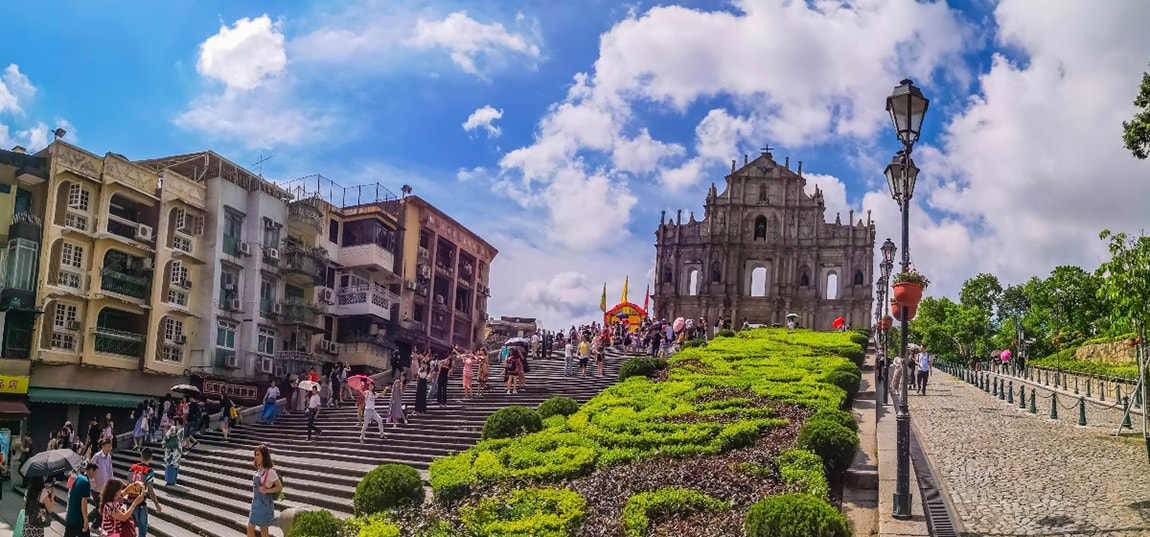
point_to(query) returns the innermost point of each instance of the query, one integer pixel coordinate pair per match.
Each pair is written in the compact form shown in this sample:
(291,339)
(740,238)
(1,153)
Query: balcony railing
(299,356)
(366,353)
(114,281)
(412,324)
(299,311)
(367,255)
(371,299)
(307,261)
(305,212)
(120,342)
(444,270)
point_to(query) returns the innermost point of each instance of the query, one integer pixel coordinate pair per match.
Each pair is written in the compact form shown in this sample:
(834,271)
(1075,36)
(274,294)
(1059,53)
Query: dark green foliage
(861,339)
(388,486)
(725,333)
(853,354)
(557,406)
(317,524)
(694,343)
(833,442)
(795,515)
(641,366)
(512,421)
(846,380)
(841,417)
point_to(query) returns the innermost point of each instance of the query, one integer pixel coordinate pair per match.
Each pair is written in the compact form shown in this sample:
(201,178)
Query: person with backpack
(173,451)
(267,485)
(142,472)
(228,416)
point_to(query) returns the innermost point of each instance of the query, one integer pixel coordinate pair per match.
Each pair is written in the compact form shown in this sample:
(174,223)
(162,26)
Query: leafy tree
(982,292)
(1126,277)
(1136,132)
(951,331)
(1014,302)
(1072,300)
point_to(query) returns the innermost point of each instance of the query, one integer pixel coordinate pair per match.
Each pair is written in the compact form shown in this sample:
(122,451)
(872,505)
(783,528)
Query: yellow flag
(603,300)
(625,281)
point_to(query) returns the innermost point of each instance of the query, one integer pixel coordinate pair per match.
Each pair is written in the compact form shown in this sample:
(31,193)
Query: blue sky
(591,116)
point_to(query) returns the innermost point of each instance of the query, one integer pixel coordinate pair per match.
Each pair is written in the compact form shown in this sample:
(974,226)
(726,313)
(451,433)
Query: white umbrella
(308,385)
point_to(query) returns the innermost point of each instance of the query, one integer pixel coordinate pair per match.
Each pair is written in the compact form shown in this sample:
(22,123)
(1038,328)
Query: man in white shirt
(369,413)
(103,462)
(568,359)
(313,404)
(925,361)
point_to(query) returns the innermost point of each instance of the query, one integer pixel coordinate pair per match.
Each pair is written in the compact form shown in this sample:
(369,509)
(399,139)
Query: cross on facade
(767,148)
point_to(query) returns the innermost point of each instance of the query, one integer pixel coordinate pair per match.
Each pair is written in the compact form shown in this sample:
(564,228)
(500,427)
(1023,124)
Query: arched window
(716,272)
(859,278)
(668,276)
(805,280)
(693,282)
(832,286)
(761,228)
(759,281)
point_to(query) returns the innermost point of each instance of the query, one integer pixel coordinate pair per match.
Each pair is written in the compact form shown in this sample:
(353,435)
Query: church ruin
(762,250)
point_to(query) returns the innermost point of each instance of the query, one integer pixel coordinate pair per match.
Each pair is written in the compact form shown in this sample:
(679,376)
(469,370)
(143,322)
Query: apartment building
(110,333)
(446,269)
(22,177)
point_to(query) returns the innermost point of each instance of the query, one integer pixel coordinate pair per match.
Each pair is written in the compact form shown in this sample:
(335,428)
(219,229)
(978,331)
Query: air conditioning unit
(73,326)
(425,271)
(235,305)
(267,365)
(186,283)
(180,339)
(328,295)
(410,285)
(439,299)
(144,232)
(245,248)
(273,254)
(231,361)
(329,346)
(422,290)
(277,308)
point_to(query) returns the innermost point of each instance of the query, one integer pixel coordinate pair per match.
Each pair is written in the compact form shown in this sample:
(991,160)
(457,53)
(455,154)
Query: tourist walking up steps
(76,517)
(468,375)
(568,359)
(141,472)
(103,461)
(441,381)
(395,413)
(266,485)
(421,386)
(173,451)
(484,368)
(370,413)
(313,404)
(270,398)
(925,361)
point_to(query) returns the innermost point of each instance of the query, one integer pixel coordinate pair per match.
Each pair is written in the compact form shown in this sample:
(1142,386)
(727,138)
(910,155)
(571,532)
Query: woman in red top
(117,503)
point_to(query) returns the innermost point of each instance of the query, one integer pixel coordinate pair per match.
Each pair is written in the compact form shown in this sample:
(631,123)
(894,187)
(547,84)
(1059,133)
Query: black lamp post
(907,108)
(888,251)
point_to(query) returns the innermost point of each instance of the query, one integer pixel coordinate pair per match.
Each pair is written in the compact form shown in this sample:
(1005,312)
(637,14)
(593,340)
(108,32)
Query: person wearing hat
(76,518)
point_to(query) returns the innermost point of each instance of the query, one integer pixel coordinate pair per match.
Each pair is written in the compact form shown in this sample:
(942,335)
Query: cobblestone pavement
(1009,472)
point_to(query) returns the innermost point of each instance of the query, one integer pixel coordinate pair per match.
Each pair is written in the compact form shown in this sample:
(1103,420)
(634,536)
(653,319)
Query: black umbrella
(516,341)
(186,389)
(49,463)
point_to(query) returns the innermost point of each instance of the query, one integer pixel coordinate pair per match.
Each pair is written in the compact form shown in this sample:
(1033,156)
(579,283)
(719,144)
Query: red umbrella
(839,322)
(357,382)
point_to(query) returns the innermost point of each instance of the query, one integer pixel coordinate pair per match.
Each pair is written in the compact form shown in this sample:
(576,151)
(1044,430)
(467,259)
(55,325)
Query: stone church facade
(762,250)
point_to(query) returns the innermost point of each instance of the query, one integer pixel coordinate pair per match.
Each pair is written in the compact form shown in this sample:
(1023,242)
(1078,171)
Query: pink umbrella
(357,382)
(679,324)
(1005,355)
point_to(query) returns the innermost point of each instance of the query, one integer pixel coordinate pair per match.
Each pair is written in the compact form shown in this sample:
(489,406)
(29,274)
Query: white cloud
(834,195)
(468,40)
(14,86)
(484,118)
(642,154)
(245,54)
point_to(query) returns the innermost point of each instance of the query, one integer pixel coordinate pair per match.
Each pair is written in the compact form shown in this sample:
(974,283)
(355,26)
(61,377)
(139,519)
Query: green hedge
(1064,360)
(841,417)
(317,524)
(726,332)
(795,515)
(557,406)
(534,512)
(387,486)
(802,470)
(669,501)
(639,418)
(641,366)
(511,421)
(833,442)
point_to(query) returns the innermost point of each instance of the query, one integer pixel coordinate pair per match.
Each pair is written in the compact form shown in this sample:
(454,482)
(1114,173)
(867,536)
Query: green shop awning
(83,397)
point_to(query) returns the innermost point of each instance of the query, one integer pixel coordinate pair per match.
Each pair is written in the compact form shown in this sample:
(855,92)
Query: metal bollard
(1064,381)
(1075,385)
(1117,391)
(1010,393)
(1002,390)
(986,383)
(1046,378)
(1089,381)
(1053,406)
(1081,411)
(1126,413)
(1022,396)
(1034,401)
(1101,390)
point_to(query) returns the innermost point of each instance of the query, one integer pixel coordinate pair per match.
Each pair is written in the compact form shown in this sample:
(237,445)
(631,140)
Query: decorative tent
(625,312)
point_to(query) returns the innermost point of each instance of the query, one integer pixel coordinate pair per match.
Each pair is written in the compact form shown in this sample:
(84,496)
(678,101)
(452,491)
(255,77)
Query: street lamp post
(888,251)
(907,108)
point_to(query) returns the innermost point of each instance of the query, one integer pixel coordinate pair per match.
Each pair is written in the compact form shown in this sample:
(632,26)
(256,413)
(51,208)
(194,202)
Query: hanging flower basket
(898,310)
(908,287)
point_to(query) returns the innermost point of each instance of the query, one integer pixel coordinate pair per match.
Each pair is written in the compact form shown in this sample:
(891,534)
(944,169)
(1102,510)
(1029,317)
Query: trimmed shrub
(387,486)
(853,354)
(861,339)
(511,421)
(846,380)
(641,366)
(694,343)
(726,332)
(645,506)
(372,526)
(557,406)
(833,442)
(803,470)
(317,524)
(535,512)
(795,515)
(841,417)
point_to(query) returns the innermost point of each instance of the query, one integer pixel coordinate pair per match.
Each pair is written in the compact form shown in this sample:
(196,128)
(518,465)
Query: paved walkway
(1008,472)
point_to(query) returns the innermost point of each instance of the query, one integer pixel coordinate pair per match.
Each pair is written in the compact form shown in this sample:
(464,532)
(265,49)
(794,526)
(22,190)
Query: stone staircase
(215,484)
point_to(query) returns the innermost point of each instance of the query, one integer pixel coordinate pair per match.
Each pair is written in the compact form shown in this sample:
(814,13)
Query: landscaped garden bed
(686,451)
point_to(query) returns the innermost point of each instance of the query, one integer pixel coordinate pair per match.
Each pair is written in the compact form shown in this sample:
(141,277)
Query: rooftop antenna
(259,165)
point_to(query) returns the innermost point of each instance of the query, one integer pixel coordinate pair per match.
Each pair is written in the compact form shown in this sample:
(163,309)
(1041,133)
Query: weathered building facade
(762,250)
